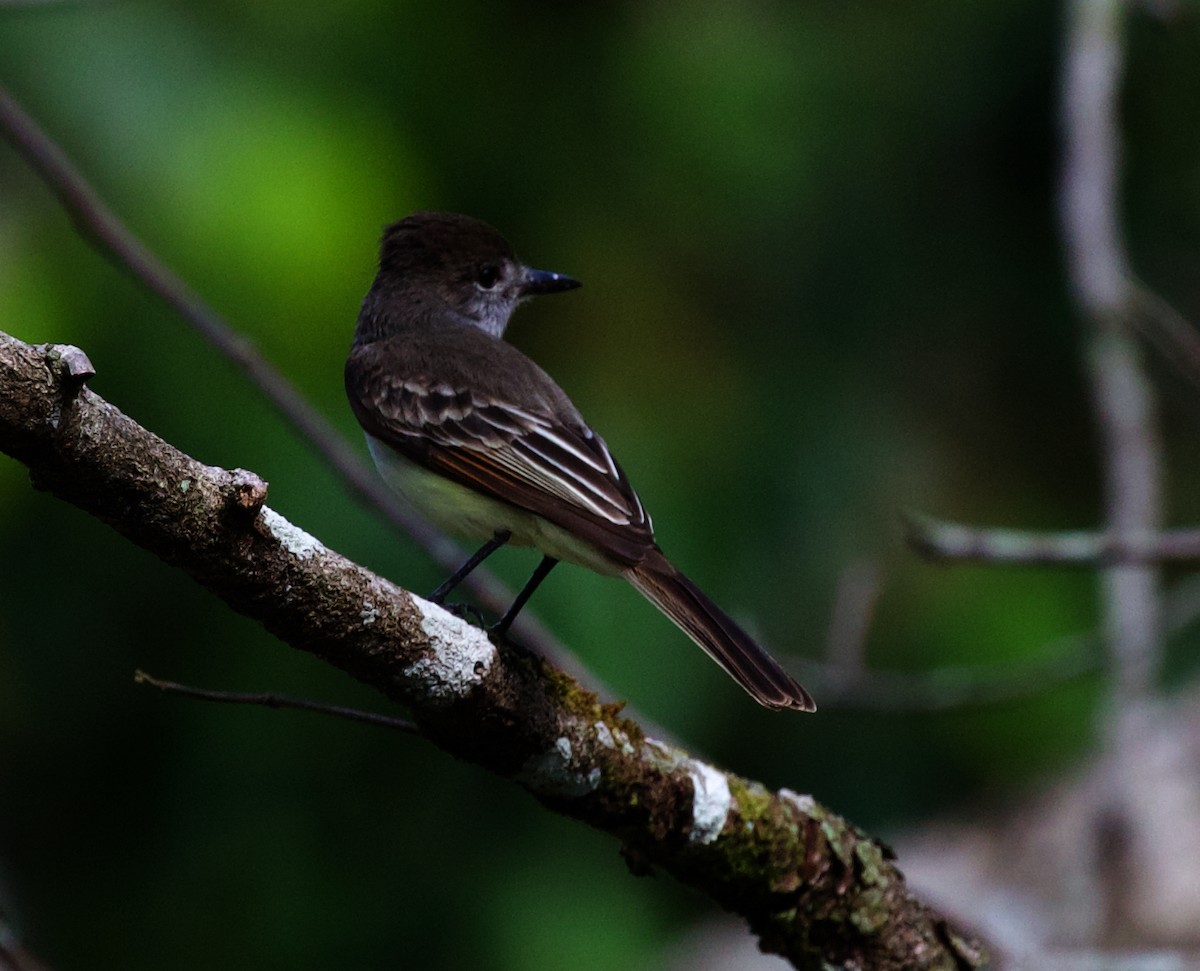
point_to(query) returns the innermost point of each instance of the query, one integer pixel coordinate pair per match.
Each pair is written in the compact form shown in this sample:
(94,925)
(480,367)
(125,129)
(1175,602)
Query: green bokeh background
(823,285)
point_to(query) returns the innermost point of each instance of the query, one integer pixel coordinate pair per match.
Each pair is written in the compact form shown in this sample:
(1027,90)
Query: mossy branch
(814,888)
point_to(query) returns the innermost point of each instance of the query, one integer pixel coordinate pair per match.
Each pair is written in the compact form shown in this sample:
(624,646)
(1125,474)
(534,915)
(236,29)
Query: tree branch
(813,887)
(941,540)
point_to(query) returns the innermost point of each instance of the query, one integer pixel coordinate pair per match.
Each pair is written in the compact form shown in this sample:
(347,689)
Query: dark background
(823,286)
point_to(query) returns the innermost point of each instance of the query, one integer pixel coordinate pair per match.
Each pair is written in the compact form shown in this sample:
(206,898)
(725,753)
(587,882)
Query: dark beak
(543,281)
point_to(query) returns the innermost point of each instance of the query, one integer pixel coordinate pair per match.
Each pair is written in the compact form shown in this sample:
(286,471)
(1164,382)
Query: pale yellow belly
(456,509)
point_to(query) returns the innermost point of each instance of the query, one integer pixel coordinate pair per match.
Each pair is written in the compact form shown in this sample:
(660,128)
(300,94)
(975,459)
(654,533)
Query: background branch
(1066,659)
(1123,398)
(941,540)
(814,888)
(1130,446)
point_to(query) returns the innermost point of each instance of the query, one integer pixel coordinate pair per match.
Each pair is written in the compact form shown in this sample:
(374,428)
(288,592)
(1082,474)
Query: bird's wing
(561,471)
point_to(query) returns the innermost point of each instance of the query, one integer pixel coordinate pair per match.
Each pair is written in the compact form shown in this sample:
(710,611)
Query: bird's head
(464,263)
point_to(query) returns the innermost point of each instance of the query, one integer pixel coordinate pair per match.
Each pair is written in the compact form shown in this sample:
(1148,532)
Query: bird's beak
(543,281)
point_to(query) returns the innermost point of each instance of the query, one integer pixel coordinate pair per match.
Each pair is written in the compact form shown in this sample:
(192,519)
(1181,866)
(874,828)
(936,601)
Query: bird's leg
(486,550)
(540,574)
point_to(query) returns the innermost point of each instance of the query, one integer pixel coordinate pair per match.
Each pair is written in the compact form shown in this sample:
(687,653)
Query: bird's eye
(489,276)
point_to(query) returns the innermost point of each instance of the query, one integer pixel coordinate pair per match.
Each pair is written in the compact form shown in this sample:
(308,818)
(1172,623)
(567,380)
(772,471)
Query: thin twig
(278,701)
(942,540)
(952,688)
(98,223)
(1165,329)
(1064,660)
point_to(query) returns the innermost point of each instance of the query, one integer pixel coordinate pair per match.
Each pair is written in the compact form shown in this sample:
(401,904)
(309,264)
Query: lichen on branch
(814,888)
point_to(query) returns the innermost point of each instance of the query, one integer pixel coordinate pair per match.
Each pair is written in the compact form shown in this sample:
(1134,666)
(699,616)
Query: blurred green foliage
(823,285)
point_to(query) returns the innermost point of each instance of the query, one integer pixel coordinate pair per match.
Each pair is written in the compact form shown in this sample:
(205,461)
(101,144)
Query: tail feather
(657,579)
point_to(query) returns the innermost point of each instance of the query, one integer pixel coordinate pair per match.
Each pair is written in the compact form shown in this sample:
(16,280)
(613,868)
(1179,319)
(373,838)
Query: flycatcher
(482,442)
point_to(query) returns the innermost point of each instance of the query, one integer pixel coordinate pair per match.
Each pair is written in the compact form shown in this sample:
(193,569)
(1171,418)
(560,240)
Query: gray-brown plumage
(484,443)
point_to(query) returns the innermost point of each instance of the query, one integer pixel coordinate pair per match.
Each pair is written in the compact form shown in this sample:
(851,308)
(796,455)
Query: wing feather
(559,470)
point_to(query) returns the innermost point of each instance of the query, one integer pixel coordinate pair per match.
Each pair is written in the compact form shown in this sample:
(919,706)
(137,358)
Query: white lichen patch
(805,803)
(292,538)
(369,613)
(459,657)
(553,774)
(662,756)
(711,801)
(613,738)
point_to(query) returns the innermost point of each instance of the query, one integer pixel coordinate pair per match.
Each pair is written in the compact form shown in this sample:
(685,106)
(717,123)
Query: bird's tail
(657,579)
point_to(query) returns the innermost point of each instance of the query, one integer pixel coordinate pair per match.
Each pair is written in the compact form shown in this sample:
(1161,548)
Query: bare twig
(947,541)
(951,688)
(277,701)
(1066,659)
(1165,329)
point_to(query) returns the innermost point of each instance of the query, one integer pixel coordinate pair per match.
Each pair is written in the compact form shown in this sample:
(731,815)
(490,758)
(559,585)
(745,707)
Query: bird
(483,442)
